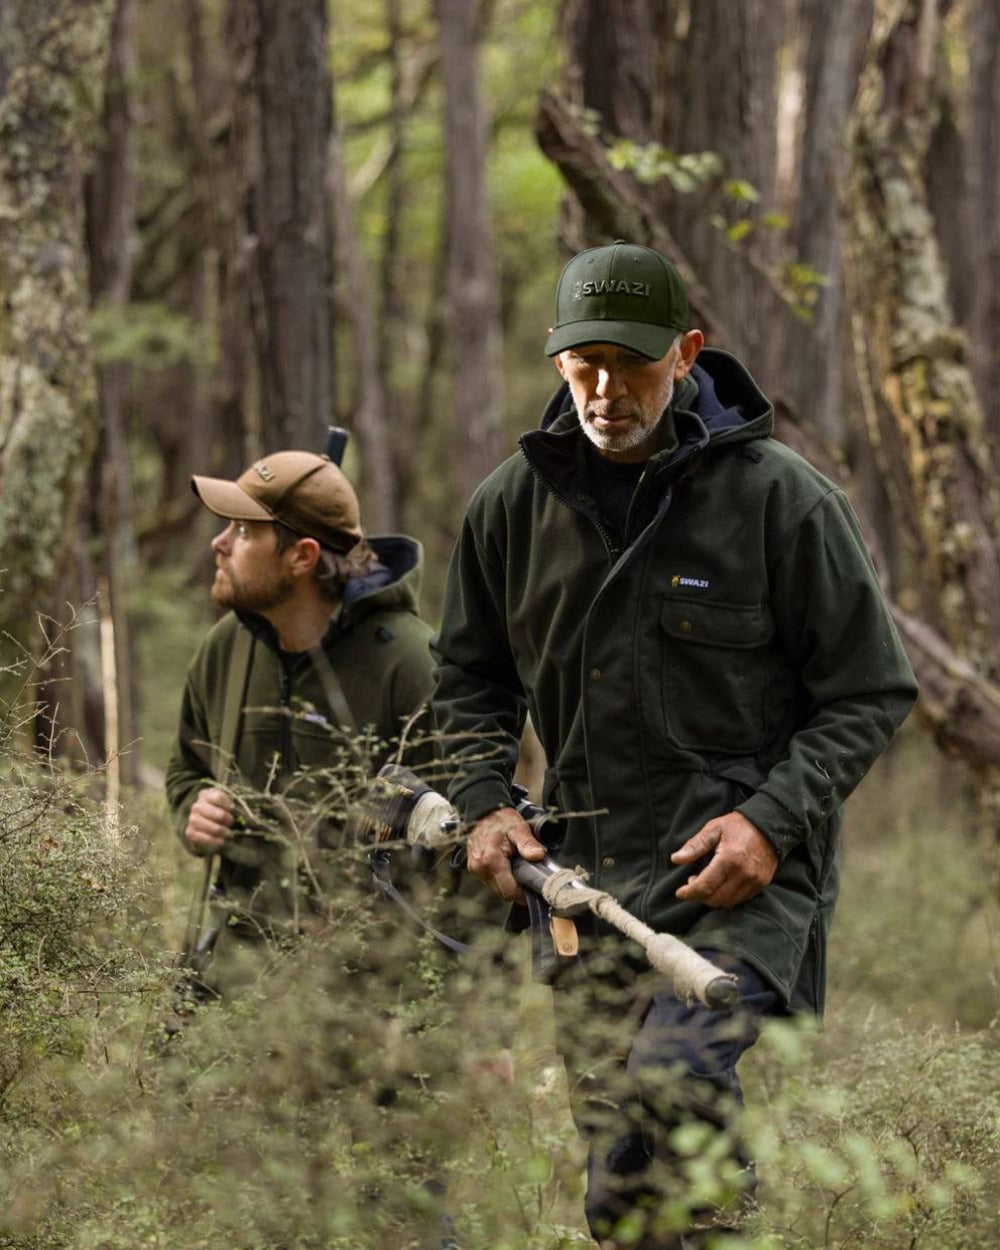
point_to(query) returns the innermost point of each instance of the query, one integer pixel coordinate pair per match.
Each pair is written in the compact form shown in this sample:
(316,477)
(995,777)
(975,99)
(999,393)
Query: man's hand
(742,864)
(491,843)
(209,822)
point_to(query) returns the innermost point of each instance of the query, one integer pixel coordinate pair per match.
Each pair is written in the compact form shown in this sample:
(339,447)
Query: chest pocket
(716,659)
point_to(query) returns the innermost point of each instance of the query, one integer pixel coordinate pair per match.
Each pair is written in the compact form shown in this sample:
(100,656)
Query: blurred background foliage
(228,225)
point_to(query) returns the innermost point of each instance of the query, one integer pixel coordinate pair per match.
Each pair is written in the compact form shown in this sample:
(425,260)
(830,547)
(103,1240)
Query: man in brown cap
(318,665)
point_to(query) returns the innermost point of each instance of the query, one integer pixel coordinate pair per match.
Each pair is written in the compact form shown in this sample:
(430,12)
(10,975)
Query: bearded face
(249,573)
(620,396)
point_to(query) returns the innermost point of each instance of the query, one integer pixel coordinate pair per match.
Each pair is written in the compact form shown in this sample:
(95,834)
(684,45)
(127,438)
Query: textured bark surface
(473,284)
(282,122)
(370,409)
(730,111)
(54,54)
(984,199)
(924,417)
(612,50)
(110,517)
(810,354)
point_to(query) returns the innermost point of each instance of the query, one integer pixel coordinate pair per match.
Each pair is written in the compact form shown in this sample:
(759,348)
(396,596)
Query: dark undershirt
(612,485)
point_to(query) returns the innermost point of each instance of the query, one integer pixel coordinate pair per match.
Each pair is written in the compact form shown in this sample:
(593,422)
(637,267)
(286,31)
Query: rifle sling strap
(237,682)
(381,875)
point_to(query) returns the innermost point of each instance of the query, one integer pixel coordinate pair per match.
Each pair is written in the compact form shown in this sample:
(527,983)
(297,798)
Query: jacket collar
(392,586)
(718,402)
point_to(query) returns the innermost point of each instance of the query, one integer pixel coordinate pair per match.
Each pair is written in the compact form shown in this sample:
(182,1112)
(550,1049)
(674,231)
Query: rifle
(401,806)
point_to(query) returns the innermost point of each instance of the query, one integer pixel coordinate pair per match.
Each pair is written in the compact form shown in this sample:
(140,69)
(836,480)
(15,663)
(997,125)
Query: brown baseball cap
(306,492)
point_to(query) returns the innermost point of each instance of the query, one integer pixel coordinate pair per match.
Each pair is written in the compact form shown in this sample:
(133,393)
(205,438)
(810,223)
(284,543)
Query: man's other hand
(209,822)
(742,864)
(491,843)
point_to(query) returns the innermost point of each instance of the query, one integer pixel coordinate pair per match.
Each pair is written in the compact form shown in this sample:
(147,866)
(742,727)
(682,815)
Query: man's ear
(557,361)
(303,556)
(690,345)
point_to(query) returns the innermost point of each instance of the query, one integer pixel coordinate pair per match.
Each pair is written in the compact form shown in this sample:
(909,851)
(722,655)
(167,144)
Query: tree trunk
(370,413)
(984,177)
(392,320)
(110,201)
(725,101)
(810,356)
(282,127)
(52,73)
(924,417)
(611,48)
(473,286)
(616,57)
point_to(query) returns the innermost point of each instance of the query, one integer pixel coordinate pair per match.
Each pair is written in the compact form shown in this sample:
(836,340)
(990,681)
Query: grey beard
(627,440)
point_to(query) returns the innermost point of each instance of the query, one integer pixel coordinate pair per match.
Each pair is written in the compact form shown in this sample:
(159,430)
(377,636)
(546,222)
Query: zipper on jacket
(593,516)
(669,471)
(643,478)
(286,718)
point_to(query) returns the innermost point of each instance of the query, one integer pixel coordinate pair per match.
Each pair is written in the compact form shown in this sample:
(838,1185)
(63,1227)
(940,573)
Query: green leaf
(742,191)
(740,229)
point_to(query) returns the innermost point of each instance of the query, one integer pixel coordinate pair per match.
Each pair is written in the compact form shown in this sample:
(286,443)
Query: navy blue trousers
(642,1064)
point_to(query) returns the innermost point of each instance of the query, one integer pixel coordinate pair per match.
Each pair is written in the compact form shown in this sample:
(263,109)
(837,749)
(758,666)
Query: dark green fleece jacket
(377,648)
(733,651)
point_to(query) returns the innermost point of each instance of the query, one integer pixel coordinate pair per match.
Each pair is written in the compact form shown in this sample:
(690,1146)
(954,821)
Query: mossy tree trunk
(984,180)
(924,416)
(53,55)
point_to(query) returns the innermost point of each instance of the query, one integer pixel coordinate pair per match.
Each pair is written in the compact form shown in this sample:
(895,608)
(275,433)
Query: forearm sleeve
(478,704)
(833,616)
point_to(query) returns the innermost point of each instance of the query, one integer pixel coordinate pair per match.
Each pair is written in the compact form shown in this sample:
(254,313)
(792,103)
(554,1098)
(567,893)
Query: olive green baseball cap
(306,492)
(622,293)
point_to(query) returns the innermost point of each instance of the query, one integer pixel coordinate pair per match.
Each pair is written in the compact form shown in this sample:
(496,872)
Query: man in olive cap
(318,664)
(687,611)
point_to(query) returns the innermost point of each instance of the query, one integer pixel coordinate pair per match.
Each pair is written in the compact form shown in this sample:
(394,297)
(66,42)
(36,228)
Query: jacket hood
(392,586)
(724,400)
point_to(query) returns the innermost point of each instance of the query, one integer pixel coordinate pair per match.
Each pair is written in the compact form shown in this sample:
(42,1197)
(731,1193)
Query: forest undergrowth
(354,1095)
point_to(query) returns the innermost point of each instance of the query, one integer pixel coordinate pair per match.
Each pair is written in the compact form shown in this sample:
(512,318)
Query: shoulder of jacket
(217,646)
(388,638)
(775,464)
(506,480)
(404,629)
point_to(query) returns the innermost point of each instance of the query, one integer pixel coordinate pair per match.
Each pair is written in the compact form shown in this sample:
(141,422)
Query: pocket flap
(730,625)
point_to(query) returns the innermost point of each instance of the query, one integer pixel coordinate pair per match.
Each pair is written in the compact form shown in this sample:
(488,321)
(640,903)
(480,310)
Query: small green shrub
(71,900)
(895,1144)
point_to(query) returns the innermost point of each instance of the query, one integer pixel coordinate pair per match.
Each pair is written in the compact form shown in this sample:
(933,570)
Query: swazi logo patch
(610,286)
(696,583)
(266,473)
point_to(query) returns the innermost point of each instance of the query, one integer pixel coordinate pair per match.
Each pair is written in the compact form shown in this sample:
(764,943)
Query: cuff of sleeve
(477,800)
(775,822)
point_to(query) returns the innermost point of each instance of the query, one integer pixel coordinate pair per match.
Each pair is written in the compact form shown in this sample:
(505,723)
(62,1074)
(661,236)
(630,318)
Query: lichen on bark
(51,79)
(931,432)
